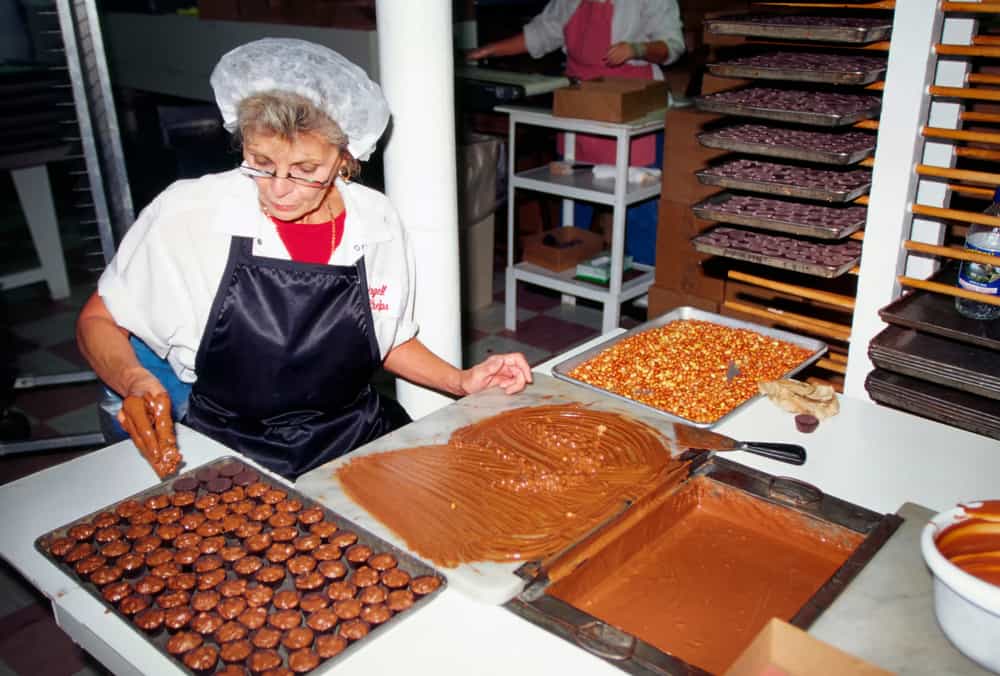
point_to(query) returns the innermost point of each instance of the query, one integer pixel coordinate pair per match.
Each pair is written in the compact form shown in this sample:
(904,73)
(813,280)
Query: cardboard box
(610,99)
(561,248)
(783,650)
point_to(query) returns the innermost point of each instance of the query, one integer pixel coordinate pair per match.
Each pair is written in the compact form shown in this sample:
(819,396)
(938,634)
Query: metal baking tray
(562,370)
(839,77)
(740,25)
(785,115)
(708,210)
(935,313)
(805,268)
(782,189)
(935,402)
(965,367)
(788,152)
(635,656)
(159,639)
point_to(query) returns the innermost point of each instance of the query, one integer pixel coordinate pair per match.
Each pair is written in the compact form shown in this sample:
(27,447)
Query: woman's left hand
(510,372)
(619,53)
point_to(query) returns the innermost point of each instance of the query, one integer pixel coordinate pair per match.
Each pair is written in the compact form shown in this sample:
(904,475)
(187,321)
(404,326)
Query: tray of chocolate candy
(797,218)
(811,258)
(823,108)
(225,569)
(850,29)
(789,180)
(790,143)
(845,69)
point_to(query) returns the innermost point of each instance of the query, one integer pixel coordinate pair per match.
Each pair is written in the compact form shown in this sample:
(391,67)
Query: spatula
(689,440)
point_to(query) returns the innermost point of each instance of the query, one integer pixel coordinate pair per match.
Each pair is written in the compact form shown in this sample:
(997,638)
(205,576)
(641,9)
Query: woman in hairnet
(276,289)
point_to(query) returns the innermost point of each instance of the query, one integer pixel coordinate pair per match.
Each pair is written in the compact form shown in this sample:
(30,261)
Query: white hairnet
(335,85)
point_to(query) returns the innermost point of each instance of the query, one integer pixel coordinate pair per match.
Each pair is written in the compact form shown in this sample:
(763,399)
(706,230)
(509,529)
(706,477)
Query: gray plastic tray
(740,25)
(788,152)
(814,269)
(708,211)
(840,77)
(782,189)
(158,640)
(786,115)
(561,370)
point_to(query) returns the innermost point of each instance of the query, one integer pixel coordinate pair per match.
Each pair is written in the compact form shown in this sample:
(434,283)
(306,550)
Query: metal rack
(101,199)
(619,194)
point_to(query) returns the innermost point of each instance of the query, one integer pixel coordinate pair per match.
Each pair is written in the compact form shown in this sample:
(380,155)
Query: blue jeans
(177,390)
(640,220)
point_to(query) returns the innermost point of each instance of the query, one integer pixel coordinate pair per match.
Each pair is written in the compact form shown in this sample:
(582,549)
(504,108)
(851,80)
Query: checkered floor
(43,335)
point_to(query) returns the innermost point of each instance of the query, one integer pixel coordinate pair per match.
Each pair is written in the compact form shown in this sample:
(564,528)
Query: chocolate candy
(806,423)
(186,484)
(219,485)
(232,468)
(245,478)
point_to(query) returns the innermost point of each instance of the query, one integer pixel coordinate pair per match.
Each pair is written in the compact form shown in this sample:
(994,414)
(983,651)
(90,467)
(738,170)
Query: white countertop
(876,457)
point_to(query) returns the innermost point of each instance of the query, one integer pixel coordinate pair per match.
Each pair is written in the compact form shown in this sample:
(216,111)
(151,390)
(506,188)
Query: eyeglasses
(254,172)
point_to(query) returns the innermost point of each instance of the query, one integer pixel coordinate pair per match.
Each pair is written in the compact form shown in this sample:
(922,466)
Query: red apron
(587,36)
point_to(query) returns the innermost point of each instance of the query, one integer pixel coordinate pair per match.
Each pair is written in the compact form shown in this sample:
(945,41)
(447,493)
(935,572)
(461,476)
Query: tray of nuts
(691,366)
(789,180)
(790,143)
(224,569)
(797,218)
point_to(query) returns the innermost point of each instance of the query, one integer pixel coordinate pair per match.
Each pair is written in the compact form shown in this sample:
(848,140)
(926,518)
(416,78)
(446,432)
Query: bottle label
(980,276)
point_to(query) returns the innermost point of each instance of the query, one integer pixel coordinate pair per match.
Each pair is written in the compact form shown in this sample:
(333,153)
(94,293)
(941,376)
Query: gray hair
(288,115)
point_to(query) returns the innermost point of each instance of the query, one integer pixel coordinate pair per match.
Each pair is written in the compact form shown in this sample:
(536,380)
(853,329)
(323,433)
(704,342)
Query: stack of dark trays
(936,363)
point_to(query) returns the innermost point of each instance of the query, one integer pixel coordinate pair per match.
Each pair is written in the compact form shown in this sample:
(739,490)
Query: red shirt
(311,242)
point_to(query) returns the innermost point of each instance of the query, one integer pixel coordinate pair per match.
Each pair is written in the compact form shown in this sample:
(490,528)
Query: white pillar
(417,76)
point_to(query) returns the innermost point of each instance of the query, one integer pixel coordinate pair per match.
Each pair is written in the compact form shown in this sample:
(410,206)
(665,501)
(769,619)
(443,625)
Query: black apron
(285,363)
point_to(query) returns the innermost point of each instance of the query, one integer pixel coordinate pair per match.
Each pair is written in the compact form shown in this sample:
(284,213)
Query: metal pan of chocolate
(789,180)
(649,595)
(794,66)
(836,147)
(854,30)
(797,218)
(224,565)
(789,253)
(822,108)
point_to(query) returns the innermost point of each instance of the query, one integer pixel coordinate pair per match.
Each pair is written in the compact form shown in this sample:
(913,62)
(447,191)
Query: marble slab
(886,615)
(493,583)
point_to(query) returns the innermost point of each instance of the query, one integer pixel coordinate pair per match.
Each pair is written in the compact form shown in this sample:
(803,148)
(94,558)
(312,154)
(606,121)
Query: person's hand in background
(620,52)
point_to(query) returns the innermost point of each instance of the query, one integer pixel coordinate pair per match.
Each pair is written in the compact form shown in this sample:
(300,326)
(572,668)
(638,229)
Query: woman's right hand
(145,415)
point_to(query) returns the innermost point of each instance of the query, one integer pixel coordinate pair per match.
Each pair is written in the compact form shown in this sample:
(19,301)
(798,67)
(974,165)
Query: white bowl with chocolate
(962,548)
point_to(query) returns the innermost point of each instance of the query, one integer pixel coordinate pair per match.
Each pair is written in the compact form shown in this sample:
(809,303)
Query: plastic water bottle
(980,276)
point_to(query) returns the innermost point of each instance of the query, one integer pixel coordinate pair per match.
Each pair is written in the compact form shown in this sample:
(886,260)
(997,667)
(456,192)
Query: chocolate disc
(188,483)
(245,478)
(219,485)
(206,474)
(231,468)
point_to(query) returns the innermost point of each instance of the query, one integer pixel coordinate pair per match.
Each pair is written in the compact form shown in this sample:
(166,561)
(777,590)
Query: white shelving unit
(580,185)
